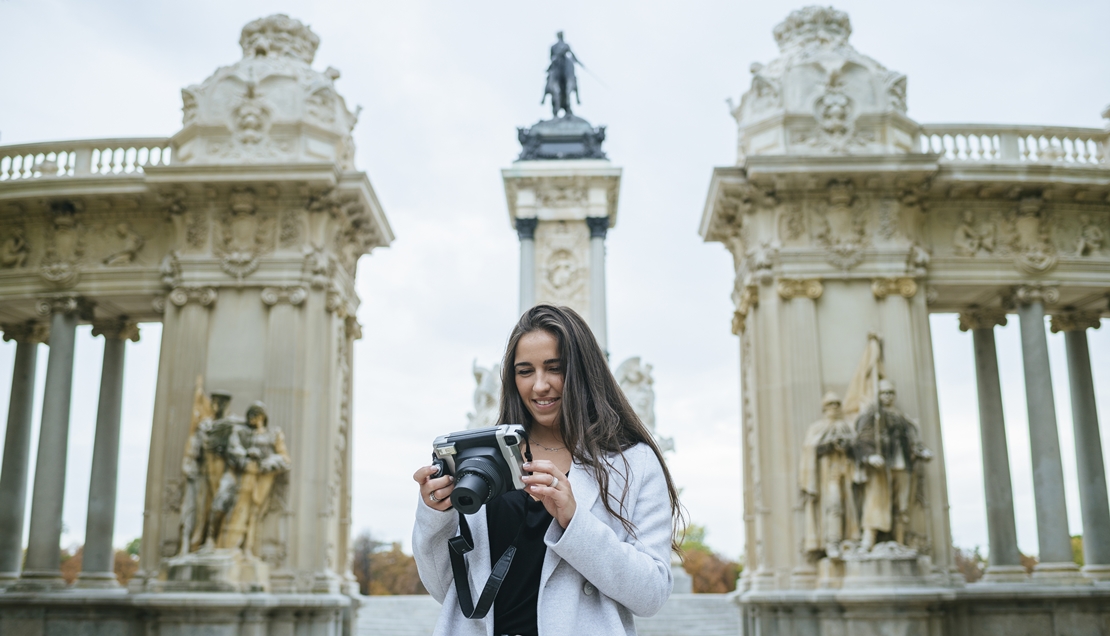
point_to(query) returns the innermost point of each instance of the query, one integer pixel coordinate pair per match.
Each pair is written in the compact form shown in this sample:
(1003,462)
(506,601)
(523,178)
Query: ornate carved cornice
(746,298)
(1075,321)
(29,331)
(1036,292)
(121,328)
(883,287)
(294,295)
(982,318)
(790,288)
(181,296)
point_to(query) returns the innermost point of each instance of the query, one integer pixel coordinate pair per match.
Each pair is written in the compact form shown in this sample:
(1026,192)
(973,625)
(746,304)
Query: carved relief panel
(563,264)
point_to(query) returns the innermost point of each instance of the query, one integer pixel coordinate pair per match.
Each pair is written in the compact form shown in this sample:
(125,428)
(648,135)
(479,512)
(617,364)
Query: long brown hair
(596,419)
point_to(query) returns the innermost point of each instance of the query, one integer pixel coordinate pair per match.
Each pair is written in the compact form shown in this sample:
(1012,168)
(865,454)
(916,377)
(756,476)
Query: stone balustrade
(102,157)
(1023,144)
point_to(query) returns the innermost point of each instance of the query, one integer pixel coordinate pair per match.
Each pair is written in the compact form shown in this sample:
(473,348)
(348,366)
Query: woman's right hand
(440,488)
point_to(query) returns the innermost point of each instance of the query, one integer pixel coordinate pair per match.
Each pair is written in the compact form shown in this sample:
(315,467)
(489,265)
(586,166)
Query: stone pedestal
(561,208)
(214,570)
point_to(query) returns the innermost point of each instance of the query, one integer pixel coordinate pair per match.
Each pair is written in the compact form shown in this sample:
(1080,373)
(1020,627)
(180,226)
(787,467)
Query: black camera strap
(463,544)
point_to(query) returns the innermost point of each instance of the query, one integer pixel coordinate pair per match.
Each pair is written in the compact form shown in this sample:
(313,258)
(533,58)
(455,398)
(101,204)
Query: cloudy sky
(443,86)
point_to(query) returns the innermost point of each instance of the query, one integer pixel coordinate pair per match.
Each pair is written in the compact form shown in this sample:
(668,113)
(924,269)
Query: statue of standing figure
(890,451)
(561,80)
(825,476)
(258,454)
(230,467)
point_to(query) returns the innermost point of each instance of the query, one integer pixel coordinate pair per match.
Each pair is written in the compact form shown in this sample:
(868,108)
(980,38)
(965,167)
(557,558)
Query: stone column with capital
(17,446)
(526,232)
(1088,443)
(97,560)
(1053,539)
(1004,563)
(42,569)
(598,225)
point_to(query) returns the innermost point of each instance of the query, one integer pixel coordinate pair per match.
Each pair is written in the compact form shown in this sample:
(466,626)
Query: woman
(586,562)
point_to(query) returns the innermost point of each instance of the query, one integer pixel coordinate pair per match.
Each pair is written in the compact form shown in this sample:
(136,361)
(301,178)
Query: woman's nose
(541,384)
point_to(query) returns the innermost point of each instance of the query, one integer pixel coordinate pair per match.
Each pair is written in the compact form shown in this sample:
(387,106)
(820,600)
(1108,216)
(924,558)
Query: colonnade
(42,568)
(1054,542)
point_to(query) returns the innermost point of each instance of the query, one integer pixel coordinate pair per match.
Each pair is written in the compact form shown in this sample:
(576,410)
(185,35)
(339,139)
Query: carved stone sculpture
(14,249)
(256,452)
(132,243)
(487,396)
(892,456)
(197,465)
(634,378)
(825,476)
(968,239)
(1091,237)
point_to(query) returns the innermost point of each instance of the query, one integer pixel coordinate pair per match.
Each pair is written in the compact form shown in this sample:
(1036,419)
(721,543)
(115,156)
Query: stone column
(1088,444)
(599,225)
(97,560)
(1053,539)
(43,564)
(17,446)
(1004,564)
(526,232)
(802,376)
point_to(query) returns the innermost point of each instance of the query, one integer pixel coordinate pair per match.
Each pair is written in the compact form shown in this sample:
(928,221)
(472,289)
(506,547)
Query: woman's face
(539,378)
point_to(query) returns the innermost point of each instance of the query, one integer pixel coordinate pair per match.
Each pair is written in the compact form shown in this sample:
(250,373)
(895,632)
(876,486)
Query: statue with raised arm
(825,477)
(889,449)
(561,80)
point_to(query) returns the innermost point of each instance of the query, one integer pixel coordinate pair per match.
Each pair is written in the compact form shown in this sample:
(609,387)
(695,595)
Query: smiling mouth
(548,402)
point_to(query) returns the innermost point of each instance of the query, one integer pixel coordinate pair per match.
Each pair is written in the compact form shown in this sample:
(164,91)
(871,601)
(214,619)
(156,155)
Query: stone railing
(101,157)
(1021,144)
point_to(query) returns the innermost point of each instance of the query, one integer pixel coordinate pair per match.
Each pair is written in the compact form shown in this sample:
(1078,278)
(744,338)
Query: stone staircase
(683,615)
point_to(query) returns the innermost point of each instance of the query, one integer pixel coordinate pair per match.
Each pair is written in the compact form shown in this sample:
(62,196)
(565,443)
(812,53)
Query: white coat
(595,575)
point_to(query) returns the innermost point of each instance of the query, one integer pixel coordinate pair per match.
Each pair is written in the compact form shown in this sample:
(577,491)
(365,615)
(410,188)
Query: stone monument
(845,220)
(241,234)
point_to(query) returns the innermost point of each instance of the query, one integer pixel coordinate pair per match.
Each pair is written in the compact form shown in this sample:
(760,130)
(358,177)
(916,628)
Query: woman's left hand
(549,485)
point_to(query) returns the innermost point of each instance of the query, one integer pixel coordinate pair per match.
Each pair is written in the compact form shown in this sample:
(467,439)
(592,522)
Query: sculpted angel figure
(825,476)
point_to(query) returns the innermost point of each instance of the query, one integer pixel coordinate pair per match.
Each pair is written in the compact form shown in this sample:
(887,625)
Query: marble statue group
(231,465)
(861,479)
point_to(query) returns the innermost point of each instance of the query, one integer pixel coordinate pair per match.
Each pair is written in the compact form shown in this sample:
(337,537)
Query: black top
(514,609)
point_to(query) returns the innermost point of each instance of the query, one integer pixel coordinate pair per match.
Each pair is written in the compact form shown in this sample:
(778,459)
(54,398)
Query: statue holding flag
(889,451)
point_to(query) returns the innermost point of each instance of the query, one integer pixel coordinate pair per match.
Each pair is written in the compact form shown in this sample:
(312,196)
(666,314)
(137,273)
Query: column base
(1005,574)
(804,578)
(8,579)
(38,581)
(326,582)
(1062,573)
(97,581)
(1097,573)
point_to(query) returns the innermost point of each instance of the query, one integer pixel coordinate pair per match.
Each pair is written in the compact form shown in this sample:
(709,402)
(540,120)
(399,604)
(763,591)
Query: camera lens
(476,482)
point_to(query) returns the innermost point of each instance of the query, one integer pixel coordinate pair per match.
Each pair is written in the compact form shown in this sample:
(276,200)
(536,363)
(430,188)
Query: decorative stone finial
(822,95)
(279,35)
(269,107)
(813,25)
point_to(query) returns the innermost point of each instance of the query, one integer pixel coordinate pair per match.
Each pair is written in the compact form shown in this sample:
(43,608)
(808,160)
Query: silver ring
(554,482)
(432,496)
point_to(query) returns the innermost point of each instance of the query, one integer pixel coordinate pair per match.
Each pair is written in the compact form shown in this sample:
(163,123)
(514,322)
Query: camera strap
(460,546)
(463,544)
